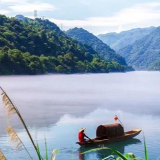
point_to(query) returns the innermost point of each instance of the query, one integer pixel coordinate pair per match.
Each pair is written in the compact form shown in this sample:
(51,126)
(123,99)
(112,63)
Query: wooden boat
(97,141)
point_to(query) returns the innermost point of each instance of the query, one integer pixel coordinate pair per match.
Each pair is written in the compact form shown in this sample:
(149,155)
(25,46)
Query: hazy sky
(97,16)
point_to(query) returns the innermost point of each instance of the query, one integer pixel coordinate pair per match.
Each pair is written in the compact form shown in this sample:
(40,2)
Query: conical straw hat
(82,129)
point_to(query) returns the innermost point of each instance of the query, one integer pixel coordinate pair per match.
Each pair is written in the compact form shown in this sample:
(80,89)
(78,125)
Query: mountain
(122,39)
(144,52)
(103,50)
(38,46)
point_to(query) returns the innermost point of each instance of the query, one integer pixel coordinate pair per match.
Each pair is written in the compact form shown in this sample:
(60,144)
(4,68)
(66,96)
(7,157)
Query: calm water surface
(57,106)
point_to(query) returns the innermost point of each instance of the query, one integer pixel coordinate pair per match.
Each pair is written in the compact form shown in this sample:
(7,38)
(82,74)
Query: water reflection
(100,154)
(57,106)
(47,98)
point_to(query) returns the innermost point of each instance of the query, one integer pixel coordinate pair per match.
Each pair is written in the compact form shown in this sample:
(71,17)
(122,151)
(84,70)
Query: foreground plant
(127,156)
(18,144)
(11,109)
(145,149)
(46,150)
(54,153)
(2,157)
(107,148)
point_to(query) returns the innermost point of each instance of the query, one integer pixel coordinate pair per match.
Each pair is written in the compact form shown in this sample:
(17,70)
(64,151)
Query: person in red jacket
(82,135)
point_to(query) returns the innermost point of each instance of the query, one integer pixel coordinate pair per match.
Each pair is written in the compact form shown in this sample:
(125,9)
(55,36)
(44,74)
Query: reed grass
(2,157)
(16,141)
(11,109)
(8,107)
(14,138)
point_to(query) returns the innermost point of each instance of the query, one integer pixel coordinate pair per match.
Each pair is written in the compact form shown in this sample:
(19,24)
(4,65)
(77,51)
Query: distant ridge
(122,39)
(144,53)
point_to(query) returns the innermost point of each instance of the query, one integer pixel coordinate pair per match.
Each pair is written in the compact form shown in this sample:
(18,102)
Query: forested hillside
(155,66)
(39,46)
(103,50)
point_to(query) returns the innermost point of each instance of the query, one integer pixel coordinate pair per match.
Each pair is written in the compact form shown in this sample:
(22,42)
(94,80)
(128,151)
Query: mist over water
(57,106)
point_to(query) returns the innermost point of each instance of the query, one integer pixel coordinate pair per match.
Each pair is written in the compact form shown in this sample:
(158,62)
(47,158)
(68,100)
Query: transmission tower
(35,14)
(43,18)
(61,26)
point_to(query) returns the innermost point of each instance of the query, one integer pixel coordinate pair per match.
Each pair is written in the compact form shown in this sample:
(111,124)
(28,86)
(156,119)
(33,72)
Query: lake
(57,106)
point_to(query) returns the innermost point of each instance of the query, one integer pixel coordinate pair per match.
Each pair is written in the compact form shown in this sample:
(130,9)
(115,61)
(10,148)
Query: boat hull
(127,135)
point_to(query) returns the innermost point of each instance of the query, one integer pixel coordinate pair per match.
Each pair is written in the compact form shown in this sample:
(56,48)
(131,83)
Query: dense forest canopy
(39,46)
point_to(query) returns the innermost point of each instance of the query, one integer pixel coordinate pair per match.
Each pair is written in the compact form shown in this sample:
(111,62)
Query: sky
(96,16)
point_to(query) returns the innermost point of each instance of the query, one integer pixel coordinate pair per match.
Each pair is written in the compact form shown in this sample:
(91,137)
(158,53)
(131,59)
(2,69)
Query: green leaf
(145,149)
(38,149)
(46,150)
(130,156)
(96,149)
(72,157)
(111,156)
(118,154)
(53,156)
(106,148)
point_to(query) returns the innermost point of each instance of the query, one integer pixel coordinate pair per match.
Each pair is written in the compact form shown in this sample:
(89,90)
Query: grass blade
(111,156)
(72,157)
(145,149)
(96,149)
(53,156)
(130,156)
(118,153)
(38,150)
(46,150)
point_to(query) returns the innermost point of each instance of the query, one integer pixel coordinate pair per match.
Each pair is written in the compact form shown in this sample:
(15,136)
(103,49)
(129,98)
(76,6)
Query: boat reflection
(100,154)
